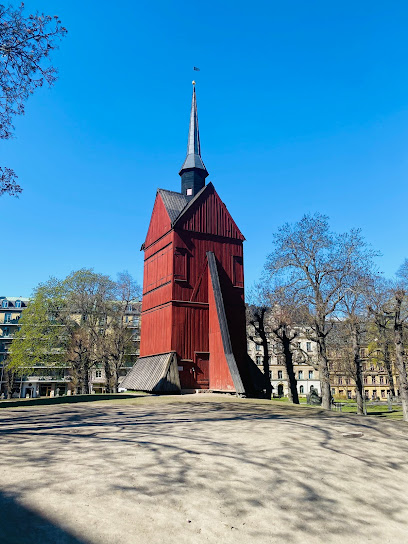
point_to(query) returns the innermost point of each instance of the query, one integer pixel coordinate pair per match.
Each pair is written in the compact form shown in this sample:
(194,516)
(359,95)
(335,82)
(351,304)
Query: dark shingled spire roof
(193,159)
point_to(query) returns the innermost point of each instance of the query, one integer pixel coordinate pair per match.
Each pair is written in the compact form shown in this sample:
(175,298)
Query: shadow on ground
(227,471)
(21,525)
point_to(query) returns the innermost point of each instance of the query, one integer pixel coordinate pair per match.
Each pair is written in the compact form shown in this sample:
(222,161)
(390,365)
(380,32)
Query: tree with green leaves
(43,336)
(78,322)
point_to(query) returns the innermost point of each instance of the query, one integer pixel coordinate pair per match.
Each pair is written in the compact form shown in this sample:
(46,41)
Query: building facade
(376,378)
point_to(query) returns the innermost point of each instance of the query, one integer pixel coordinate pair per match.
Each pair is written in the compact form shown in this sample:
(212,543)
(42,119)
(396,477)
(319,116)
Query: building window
(365,380)
(333,391)
(189,192)
(258,360)
(7,317)
(280,374)
(98,373)
(300,374)
(347,381)
(381,379)
(372,379)
(382,393)
(18,303)
(298,345)
(4,304)
(374,393)
(238,271)
(310,374)
(258,347)
(349,394)
(340,380)
(180,264)
(270,375)
(308,346)
(363,367)
(6,331)
(301,389)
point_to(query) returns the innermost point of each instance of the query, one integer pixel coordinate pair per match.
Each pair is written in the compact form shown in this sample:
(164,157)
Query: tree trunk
(85,379)
(388,366)
(287,353)
(355,338)
(268,385)
(399,359)
(323,369)
(10,379)
(116,381)
(108,374)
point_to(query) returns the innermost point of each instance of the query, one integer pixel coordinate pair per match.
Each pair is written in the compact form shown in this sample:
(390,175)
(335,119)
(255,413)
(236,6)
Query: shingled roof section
(155,373)
(173,202)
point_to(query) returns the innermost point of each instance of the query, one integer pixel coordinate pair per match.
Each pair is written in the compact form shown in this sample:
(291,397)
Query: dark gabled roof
(173,202)
(190,203)
(156,373)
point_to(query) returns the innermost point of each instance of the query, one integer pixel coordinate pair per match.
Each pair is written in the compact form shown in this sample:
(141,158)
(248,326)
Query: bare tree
(354,310)
(316,264)
(26,42)
(381,330)
(399,307)
(257,321)
(89,298)
(125,316)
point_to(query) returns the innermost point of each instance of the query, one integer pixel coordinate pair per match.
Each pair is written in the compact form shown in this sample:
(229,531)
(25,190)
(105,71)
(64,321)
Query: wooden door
(195,375)
(186,372)
(202,371)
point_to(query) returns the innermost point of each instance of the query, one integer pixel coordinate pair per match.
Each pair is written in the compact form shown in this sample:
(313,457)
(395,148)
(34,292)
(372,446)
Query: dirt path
(200,469)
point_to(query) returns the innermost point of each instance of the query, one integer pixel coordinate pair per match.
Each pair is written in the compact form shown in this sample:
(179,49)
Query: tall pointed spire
(193,172)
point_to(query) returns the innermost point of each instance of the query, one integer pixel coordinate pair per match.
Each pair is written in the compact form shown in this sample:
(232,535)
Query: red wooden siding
(189,329)
(220,376)
(197,245)
(159,222)
(156,331)
(209,215)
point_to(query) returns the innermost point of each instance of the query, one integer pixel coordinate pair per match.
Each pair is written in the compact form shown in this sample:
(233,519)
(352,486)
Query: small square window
(189,192)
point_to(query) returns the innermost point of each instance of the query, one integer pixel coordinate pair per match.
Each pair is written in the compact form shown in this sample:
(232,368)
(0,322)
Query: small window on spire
(189,192)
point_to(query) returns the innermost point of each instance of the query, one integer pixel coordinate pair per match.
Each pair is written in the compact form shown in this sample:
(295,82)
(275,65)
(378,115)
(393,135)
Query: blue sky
(303,107)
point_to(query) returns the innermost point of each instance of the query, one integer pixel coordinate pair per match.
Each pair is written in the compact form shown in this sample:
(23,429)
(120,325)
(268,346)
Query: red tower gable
(160,222)
(207,214)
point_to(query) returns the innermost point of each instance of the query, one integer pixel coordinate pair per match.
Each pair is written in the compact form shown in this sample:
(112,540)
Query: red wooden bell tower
(193,312)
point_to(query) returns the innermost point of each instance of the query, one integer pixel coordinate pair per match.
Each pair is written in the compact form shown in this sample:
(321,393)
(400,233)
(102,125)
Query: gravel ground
(200,468)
